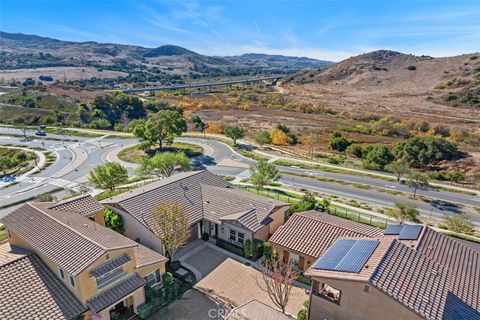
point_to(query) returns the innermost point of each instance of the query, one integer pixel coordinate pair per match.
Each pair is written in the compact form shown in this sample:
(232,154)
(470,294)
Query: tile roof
(184,188)
(254,310)
(71,240)
(111,295)
(30,290)
(84,204)
(311,233)
(110,265)
(145,256)
(202,194)
(232,204)
(437,277)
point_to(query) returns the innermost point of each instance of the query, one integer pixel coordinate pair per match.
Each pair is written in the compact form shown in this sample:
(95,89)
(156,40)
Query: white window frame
(158,279)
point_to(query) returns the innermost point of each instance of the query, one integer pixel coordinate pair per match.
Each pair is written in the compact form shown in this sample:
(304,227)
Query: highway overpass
(207,85)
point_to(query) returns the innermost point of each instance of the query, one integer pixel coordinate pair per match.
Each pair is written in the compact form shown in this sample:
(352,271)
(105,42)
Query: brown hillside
(446,89)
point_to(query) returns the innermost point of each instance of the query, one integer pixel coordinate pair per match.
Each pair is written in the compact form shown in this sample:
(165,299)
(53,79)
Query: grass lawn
(134,155)
(3,233)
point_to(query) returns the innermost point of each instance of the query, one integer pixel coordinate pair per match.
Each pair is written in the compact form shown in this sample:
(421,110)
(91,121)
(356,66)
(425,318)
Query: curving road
(76,158)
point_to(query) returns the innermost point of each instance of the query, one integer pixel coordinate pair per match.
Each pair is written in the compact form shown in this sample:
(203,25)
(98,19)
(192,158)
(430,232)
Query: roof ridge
(336,224)
(56,204)
(69,227)
(190,174)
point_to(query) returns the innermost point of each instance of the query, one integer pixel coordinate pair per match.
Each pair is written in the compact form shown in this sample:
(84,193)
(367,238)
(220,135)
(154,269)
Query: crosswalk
(62,183)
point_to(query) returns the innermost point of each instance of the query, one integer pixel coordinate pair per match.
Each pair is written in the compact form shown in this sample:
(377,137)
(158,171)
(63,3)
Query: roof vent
(85,225)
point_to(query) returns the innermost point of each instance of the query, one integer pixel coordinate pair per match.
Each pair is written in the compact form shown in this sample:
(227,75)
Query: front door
(216,229)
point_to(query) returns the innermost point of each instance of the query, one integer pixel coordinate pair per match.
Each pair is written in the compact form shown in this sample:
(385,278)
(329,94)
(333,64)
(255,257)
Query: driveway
(226,282)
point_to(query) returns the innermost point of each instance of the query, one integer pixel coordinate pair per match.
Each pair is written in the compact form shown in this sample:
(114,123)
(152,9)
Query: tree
(113,220)
(399,168)
(198,123)
(416,179)
(108,175)
(405,212)
(279,138)
(303,313)
(355,149)
(262,138)
(164,164)
(337,142)
(278,278)
(377,156)
(422,151)
(310,141)
(171,221)
(234,133)
(162,127)
(263,173)
(20,123)
(114,106)
(460,223)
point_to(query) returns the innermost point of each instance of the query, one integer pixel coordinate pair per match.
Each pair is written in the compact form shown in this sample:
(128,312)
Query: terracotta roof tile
(311,233)
(84,204)
(71,240)
(30,290)
(145,256)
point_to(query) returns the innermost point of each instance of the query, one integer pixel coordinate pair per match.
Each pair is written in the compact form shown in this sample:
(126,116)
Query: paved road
(231,163)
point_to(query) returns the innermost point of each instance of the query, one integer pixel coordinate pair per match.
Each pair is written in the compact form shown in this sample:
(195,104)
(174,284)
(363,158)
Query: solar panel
(347,255)
(410,232)
(335,254)
(393,229)
(358,255)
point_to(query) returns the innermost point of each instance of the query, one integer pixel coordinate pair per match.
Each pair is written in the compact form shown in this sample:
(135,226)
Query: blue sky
(331,30)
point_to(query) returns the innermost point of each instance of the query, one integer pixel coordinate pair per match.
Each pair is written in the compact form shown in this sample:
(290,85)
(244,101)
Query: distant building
(213,207)
(413,272)
(59,264)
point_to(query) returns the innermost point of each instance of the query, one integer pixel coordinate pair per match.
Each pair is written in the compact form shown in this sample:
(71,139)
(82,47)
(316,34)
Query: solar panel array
(393,229)
(410,232)
(347,255)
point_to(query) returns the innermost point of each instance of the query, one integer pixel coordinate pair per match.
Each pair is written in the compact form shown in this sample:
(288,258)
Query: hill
(165,64)
(392,82)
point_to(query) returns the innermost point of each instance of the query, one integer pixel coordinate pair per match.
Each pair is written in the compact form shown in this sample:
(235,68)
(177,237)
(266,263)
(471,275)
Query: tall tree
(399,168)
(262,173)
(164,126)
(171,221)
(278,278)
(164,164)
(108,175)
(338,142)
(405,212)
(234,133)
(310,141)
(416,179)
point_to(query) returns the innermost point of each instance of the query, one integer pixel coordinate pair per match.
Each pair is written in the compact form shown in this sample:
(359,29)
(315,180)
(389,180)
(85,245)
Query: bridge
(207,85)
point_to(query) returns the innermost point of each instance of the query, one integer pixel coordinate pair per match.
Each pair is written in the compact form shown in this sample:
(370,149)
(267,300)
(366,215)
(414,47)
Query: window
(72,281)
(153,278)
(110,277)
(294,258)
(233,235)
(327,292)
(62,274)
(240,238)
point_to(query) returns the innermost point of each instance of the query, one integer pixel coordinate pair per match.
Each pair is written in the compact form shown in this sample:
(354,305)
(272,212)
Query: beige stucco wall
(136,230)
(225,233)
(356,304)
(99,218)
(148,269)
(278,219)
(263,233)
(304,264)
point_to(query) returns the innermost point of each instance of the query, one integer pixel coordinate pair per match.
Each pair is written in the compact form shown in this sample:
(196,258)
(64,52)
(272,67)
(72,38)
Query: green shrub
(267,250)
(247,247)
(113,220)
(167,278)
(144,311)
(411,68)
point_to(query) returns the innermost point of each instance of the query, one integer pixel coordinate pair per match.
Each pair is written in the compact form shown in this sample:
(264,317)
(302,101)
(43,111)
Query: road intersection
(76,156)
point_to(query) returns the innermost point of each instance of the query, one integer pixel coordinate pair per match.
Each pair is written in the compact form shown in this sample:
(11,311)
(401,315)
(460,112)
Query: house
(81,266)
(254,310)
(413,272)
(307,235)
(212,205)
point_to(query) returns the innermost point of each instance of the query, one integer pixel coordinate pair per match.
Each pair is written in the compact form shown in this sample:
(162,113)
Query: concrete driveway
(226,282)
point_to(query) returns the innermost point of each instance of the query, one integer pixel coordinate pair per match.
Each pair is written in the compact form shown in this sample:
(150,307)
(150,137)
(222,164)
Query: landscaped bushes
(230,247)
(159,298)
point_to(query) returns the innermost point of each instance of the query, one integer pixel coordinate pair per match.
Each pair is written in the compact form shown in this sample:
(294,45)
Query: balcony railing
(110,278)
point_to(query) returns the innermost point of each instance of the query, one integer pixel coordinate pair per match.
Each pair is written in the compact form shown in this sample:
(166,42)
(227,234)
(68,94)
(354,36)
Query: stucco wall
(136,230)
(357,303)
(305,263)
(278,219)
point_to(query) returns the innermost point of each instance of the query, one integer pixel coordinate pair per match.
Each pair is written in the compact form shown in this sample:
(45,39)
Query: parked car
(41,133)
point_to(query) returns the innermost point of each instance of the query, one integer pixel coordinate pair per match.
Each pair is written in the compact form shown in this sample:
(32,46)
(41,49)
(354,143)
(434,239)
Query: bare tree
(278,278)
(171,221)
